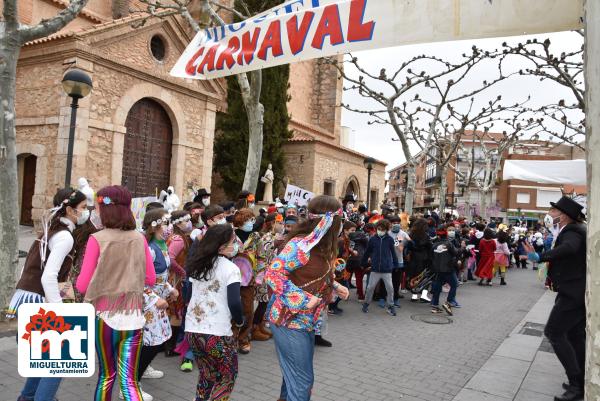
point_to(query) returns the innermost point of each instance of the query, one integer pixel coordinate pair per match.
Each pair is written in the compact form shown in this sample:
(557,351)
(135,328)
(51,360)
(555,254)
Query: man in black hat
(567,271)
(202,197)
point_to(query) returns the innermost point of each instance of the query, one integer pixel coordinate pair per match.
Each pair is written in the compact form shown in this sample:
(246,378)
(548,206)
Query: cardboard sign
(297,196)
(307,29)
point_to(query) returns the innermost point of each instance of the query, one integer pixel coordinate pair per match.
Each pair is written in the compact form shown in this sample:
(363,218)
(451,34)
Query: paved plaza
(374,357)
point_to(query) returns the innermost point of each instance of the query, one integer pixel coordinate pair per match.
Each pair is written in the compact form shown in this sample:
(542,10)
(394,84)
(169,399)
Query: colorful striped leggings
(118,354)
(218,363)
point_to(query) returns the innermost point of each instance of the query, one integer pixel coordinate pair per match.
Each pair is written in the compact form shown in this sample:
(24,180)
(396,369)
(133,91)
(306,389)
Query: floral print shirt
(157,329)
(286,294)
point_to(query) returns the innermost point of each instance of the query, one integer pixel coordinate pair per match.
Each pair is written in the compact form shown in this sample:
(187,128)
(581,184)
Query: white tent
(546,171)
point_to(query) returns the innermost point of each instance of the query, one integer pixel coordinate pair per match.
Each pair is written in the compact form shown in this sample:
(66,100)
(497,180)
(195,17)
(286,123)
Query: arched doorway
(352,187)
(147,150)
(27,164)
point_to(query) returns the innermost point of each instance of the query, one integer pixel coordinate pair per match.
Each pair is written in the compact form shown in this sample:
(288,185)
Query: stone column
(592,75)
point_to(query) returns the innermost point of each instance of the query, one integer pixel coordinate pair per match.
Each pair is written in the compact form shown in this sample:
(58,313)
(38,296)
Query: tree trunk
(484,204)
(443,190)
(410,187)
(255,112)
(592,72)
(9,205)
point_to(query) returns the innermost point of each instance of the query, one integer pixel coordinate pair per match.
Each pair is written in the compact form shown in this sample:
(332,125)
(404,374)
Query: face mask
(349,207)
(200,223)
(451,234)
(280,210)
(396,228)
(221,221)
(248,226)
(235,248)
(206,201)
(188,227)
(95,219)
(380,233)
(251,205)
(550,221)
(85,215)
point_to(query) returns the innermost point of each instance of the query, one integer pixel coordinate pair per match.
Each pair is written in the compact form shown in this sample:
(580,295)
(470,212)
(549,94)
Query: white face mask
(221,221)
(251,205)
(81,219)
(206,201)
(550,221)
(451,234)
(381,233)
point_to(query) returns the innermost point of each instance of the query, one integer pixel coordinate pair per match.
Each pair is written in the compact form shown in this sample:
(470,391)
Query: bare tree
(483,158)
(565,119)
(390,92)
(250,83)
(13,35)
(436,120)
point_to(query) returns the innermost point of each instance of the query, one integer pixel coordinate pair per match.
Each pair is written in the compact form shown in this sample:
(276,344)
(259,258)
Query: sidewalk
(524,367)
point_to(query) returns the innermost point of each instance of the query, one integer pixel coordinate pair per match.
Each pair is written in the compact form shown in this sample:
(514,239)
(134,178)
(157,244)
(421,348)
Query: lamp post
(368,162)
(76,84)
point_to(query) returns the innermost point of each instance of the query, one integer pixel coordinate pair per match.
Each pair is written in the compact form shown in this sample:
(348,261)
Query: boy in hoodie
(444,265)
(382,253)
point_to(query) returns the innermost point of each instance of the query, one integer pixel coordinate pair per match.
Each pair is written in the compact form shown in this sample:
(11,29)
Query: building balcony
(433,181)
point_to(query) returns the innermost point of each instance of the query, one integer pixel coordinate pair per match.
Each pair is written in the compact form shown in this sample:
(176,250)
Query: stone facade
(121,76)
(118,58)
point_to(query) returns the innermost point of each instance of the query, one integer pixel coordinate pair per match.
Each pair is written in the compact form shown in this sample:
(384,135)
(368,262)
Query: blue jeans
(295,350)
(440,280)
(40,389)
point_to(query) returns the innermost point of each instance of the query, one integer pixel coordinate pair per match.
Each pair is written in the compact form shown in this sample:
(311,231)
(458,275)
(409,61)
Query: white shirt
(208,310)
(60,245)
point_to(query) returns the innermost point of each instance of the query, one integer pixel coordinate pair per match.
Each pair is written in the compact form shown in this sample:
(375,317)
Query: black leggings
(147,354)
(259,313)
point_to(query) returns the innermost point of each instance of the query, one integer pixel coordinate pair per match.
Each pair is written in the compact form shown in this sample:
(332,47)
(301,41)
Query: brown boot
(265,330)
(244,347)
(258,335)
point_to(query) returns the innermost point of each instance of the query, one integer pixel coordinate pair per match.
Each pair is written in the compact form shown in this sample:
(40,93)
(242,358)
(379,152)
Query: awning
(571,172)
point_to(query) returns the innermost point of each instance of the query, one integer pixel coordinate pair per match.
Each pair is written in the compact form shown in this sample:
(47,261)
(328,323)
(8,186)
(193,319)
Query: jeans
(387,281)
(440,280)
(40,389)
(295,350)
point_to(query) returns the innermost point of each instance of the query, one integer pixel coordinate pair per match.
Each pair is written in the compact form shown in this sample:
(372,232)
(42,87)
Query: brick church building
(142,128)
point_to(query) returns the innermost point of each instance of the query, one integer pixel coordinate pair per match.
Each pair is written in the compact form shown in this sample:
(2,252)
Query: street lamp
(369,162)
(76,84)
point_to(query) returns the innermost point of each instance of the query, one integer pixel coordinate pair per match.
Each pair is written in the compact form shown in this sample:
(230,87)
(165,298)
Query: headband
(182,219)
(311,240)
(164,219)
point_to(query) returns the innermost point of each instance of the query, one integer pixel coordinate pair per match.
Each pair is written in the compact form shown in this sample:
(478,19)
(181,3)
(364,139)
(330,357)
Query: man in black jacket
(567,271)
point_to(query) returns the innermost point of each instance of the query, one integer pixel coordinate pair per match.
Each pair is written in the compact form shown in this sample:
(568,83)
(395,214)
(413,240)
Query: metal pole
(74,106)
(368,189)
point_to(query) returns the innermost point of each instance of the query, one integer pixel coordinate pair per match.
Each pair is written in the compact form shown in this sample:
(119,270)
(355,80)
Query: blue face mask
(396,228)
(248,226)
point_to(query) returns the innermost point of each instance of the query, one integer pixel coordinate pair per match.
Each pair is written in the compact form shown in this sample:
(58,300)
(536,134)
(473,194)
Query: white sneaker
(152,373)
(145,396)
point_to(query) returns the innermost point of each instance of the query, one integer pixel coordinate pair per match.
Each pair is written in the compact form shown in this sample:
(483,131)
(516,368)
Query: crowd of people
(202,283)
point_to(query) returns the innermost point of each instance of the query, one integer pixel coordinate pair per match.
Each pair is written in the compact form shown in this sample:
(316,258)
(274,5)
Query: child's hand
(162,304)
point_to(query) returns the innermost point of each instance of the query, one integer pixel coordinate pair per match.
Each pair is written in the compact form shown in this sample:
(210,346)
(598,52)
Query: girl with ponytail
(48,263)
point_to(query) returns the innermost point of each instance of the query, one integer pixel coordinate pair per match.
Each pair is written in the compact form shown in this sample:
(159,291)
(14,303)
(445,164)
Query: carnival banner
(306,29)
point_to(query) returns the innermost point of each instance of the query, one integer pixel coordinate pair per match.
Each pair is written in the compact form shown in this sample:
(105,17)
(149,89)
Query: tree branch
(49,26)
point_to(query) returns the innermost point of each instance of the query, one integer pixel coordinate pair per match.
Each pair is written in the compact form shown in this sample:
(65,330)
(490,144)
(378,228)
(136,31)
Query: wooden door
(147,151)
(29,167)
